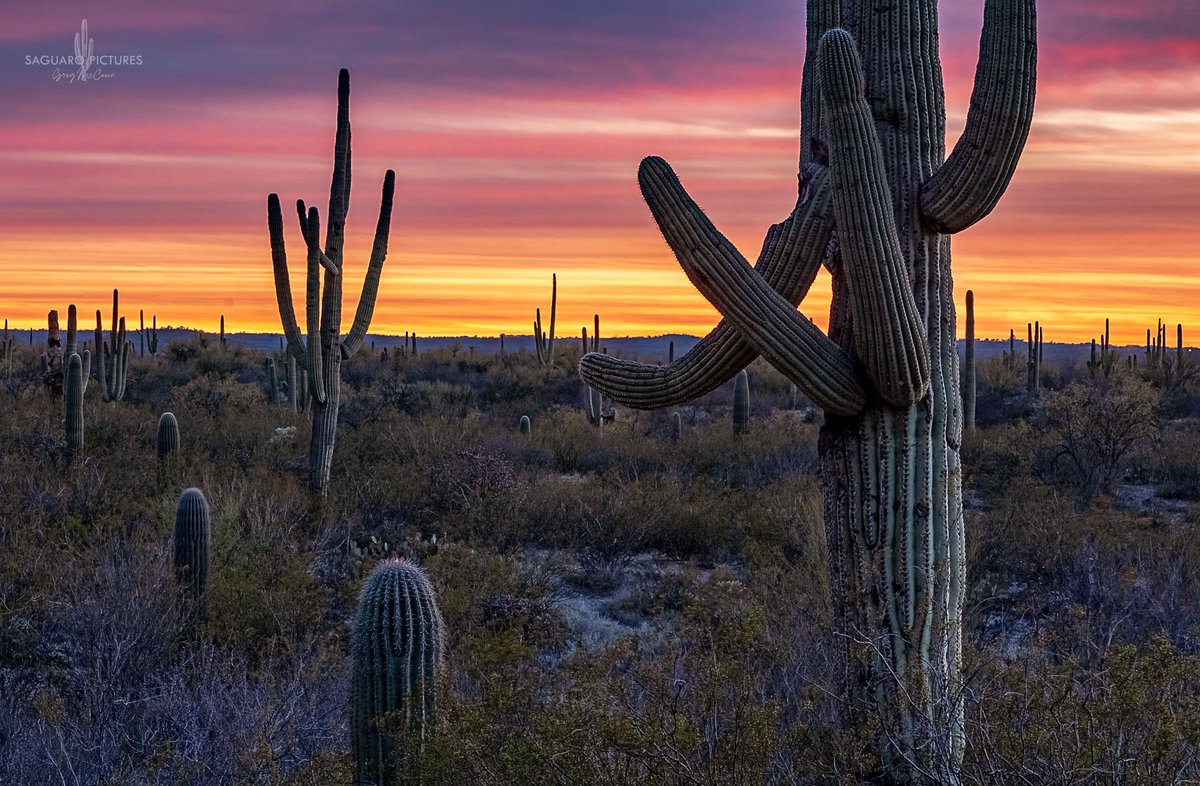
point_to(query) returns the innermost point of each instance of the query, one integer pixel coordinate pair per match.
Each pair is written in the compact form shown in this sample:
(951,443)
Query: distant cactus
(112,356)
(74,400)
(292,393)
(322,352)
(222,333)
(399,641)
(969,366)
(272,381)
(542,342)
(141,332)
(193,527)
(1103,359)
(671,352)
(72,348)
(152,344)
(676,426)
(741,402)
(168,435)
(598,410)
(525,426)
(52,358)
(1033,382)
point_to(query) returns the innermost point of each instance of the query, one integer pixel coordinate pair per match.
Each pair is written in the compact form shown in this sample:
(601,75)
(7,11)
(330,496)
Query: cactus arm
(822,16)
(283,286)
(553,313)
(790,259)
(370,289)
(313,309)
(769,321)
(971,181)
(339,187)
(889,334)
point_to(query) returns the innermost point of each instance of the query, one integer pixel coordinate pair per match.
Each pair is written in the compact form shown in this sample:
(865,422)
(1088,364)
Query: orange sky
(523,164)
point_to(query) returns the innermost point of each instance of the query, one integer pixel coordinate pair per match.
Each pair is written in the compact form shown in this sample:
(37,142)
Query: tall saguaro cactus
(874,177)
(321,351)
(113,355)
(73,388)
(399,641)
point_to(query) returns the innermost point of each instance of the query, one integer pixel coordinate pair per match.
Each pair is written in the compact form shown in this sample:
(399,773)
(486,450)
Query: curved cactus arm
(889,333)
(790,259)
(769,321)
(370,289)
(313,308)
(87,368)
(969,185)
(302,214)
(283,286)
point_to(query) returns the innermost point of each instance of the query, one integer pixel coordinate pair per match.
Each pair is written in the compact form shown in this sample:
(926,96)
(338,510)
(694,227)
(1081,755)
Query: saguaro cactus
(74,399)
(272,382)
(113,355)
(543,342)
(322,352)
(873,171)
(168,435)
(524,425)
(72,347)
(969,366)
(52,358)
(399,640)
(741,402)
(193,526)
(152,344)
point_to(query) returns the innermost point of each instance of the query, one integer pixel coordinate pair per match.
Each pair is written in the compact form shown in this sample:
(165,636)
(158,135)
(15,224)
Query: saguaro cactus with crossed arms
(320,354)
(878,201)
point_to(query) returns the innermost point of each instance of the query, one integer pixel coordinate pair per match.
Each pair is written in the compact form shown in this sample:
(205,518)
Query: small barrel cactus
(741,402)
(168,435)
(398,645)
(74,398)
(193,525)
(525,425)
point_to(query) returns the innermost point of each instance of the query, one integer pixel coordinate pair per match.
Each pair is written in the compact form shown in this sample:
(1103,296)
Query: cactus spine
(542,342)
(112,355)
(193,526)
(74,401)
(741,402)
(969,367)
(168,435)
(873,165)
(322,352)
(399,641)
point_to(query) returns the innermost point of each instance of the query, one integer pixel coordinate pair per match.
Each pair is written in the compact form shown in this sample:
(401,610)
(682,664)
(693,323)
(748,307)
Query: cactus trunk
(168,435)
(74,400)
(193,527)
(873,172)
(969,366)
(741,402)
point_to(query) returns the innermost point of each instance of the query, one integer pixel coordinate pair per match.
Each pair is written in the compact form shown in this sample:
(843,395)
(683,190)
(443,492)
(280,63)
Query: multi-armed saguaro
(320,355)
(113,355)
(874,178)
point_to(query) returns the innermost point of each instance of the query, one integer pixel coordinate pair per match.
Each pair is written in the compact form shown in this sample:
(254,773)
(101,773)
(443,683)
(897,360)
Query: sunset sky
(515,129)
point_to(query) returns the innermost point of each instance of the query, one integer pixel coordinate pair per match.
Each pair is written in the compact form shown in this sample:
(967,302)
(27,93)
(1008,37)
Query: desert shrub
(1093,431)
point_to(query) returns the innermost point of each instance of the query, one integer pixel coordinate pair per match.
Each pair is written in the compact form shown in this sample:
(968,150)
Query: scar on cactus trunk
(319,354)
(878,199)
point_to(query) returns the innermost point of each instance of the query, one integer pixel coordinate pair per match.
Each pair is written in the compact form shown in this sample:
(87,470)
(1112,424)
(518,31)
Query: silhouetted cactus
(74,401)
(292,383)
(168,435)
(524,424)
(676,426)
(112,356)
(222,333)
(1033,343)
(321,354)
(52,357)
(193,527)
(399,640)
(72,344)
(969,366)
(741,402)
(873,167)
(542,342)
(152,344)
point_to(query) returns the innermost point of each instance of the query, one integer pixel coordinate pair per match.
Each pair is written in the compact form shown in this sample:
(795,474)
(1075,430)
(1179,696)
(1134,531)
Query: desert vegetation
(867,554)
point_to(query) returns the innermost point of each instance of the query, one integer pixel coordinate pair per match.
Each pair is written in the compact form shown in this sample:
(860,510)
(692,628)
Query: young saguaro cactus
(873,171)
(320,354)
(112,355)
(399,642)
(73,390)
(193,526)
(168,435)
(525,425)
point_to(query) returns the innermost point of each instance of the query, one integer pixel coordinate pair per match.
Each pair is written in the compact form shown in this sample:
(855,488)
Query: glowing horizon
(515,134)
